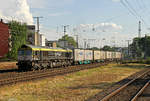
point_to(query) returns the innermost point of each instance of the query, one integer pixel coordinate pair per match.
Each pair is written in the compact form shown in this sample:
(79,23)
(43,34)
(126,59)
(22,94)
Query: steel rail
(107,97)
(140,91)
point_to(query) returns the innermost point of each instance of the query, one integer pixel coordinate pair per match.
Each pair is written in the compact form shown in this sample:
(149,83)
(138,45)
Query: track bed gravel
(13,77)
(145,96)
(115,86)
(130,91)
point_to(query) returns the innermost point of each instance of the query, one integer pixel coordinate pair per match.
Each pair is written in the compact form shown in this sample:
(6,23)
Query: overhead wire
(121,1)
(146,10)
(135,12)
(132,11)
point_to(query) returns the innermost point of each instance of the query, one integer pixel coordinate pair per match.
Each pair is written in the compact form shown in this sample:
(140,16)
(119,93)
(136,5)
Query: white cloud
(100,27)
(111,32)
(17,10)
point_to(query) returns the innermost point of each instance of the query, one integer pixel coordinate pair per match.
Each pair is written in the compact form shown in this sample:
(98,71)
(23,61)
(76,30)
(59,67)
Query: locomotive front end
(24,58)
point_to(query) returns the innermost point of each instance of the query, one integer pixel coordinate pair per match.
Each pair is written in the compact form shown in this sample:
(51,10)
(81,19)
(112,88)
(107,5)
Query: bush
(18,38)
(147,61)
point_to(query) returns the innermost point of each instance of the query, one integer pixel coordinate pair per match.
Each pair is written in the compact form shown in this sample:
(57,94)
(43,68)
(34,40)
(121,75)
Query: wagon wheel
(64,65)
(33,69)
(51,65)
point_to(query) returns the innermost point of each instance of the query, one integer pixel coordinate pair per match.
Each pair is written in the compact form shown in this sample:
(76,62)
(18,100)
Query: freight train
(37,57)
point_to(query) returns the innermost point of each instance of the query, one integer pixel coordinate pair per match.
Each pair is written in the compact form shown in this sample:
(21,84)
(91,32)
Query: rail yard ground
(7,65)
(77,86)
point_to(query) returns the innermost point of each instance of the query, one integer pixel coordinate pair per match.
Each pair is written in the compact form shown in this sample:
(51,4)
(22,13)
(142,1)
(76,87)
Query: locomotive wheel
(35,67)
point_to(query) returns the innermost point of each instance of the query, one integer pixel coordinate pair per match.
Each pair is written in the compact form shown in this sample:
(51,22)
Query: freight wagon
(82,56)
(108,56)
(97,56)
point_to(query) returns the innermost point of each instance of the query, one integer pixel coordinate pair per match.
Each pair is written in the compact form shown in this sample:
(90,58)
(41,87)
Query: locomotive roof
(42,48)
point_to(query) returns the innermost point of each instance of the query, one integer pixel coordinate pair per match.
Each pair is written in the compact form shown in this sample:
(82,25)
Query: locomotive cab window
(28,52)
(21,52)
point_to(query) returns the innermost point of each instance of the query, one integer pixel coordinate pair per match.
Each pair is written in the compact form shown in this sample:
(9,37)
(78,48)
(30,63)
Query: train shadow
(133,66)
(9,70)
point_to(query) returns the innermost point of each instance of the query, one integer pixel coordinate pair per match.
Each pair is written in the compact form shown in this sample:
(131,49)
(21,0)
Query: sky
(100,22)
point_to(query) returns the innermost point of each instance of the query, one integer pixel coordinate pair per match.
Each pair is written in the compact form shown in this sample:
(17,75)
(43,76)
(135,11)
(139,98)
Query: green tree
(141,47)
(95,48)
(108,48)
(18,33)
(145,45)
(69,39)
(135,48)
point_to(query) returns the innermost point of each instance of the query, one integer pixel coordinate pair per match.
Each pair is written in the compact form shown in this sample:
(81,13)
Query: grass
(76,86)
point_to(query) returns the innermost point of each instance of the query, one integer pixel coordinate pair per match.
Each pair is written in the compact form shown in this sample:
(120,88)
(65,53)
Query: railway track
(131,90)
(11,78)
(143,94)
